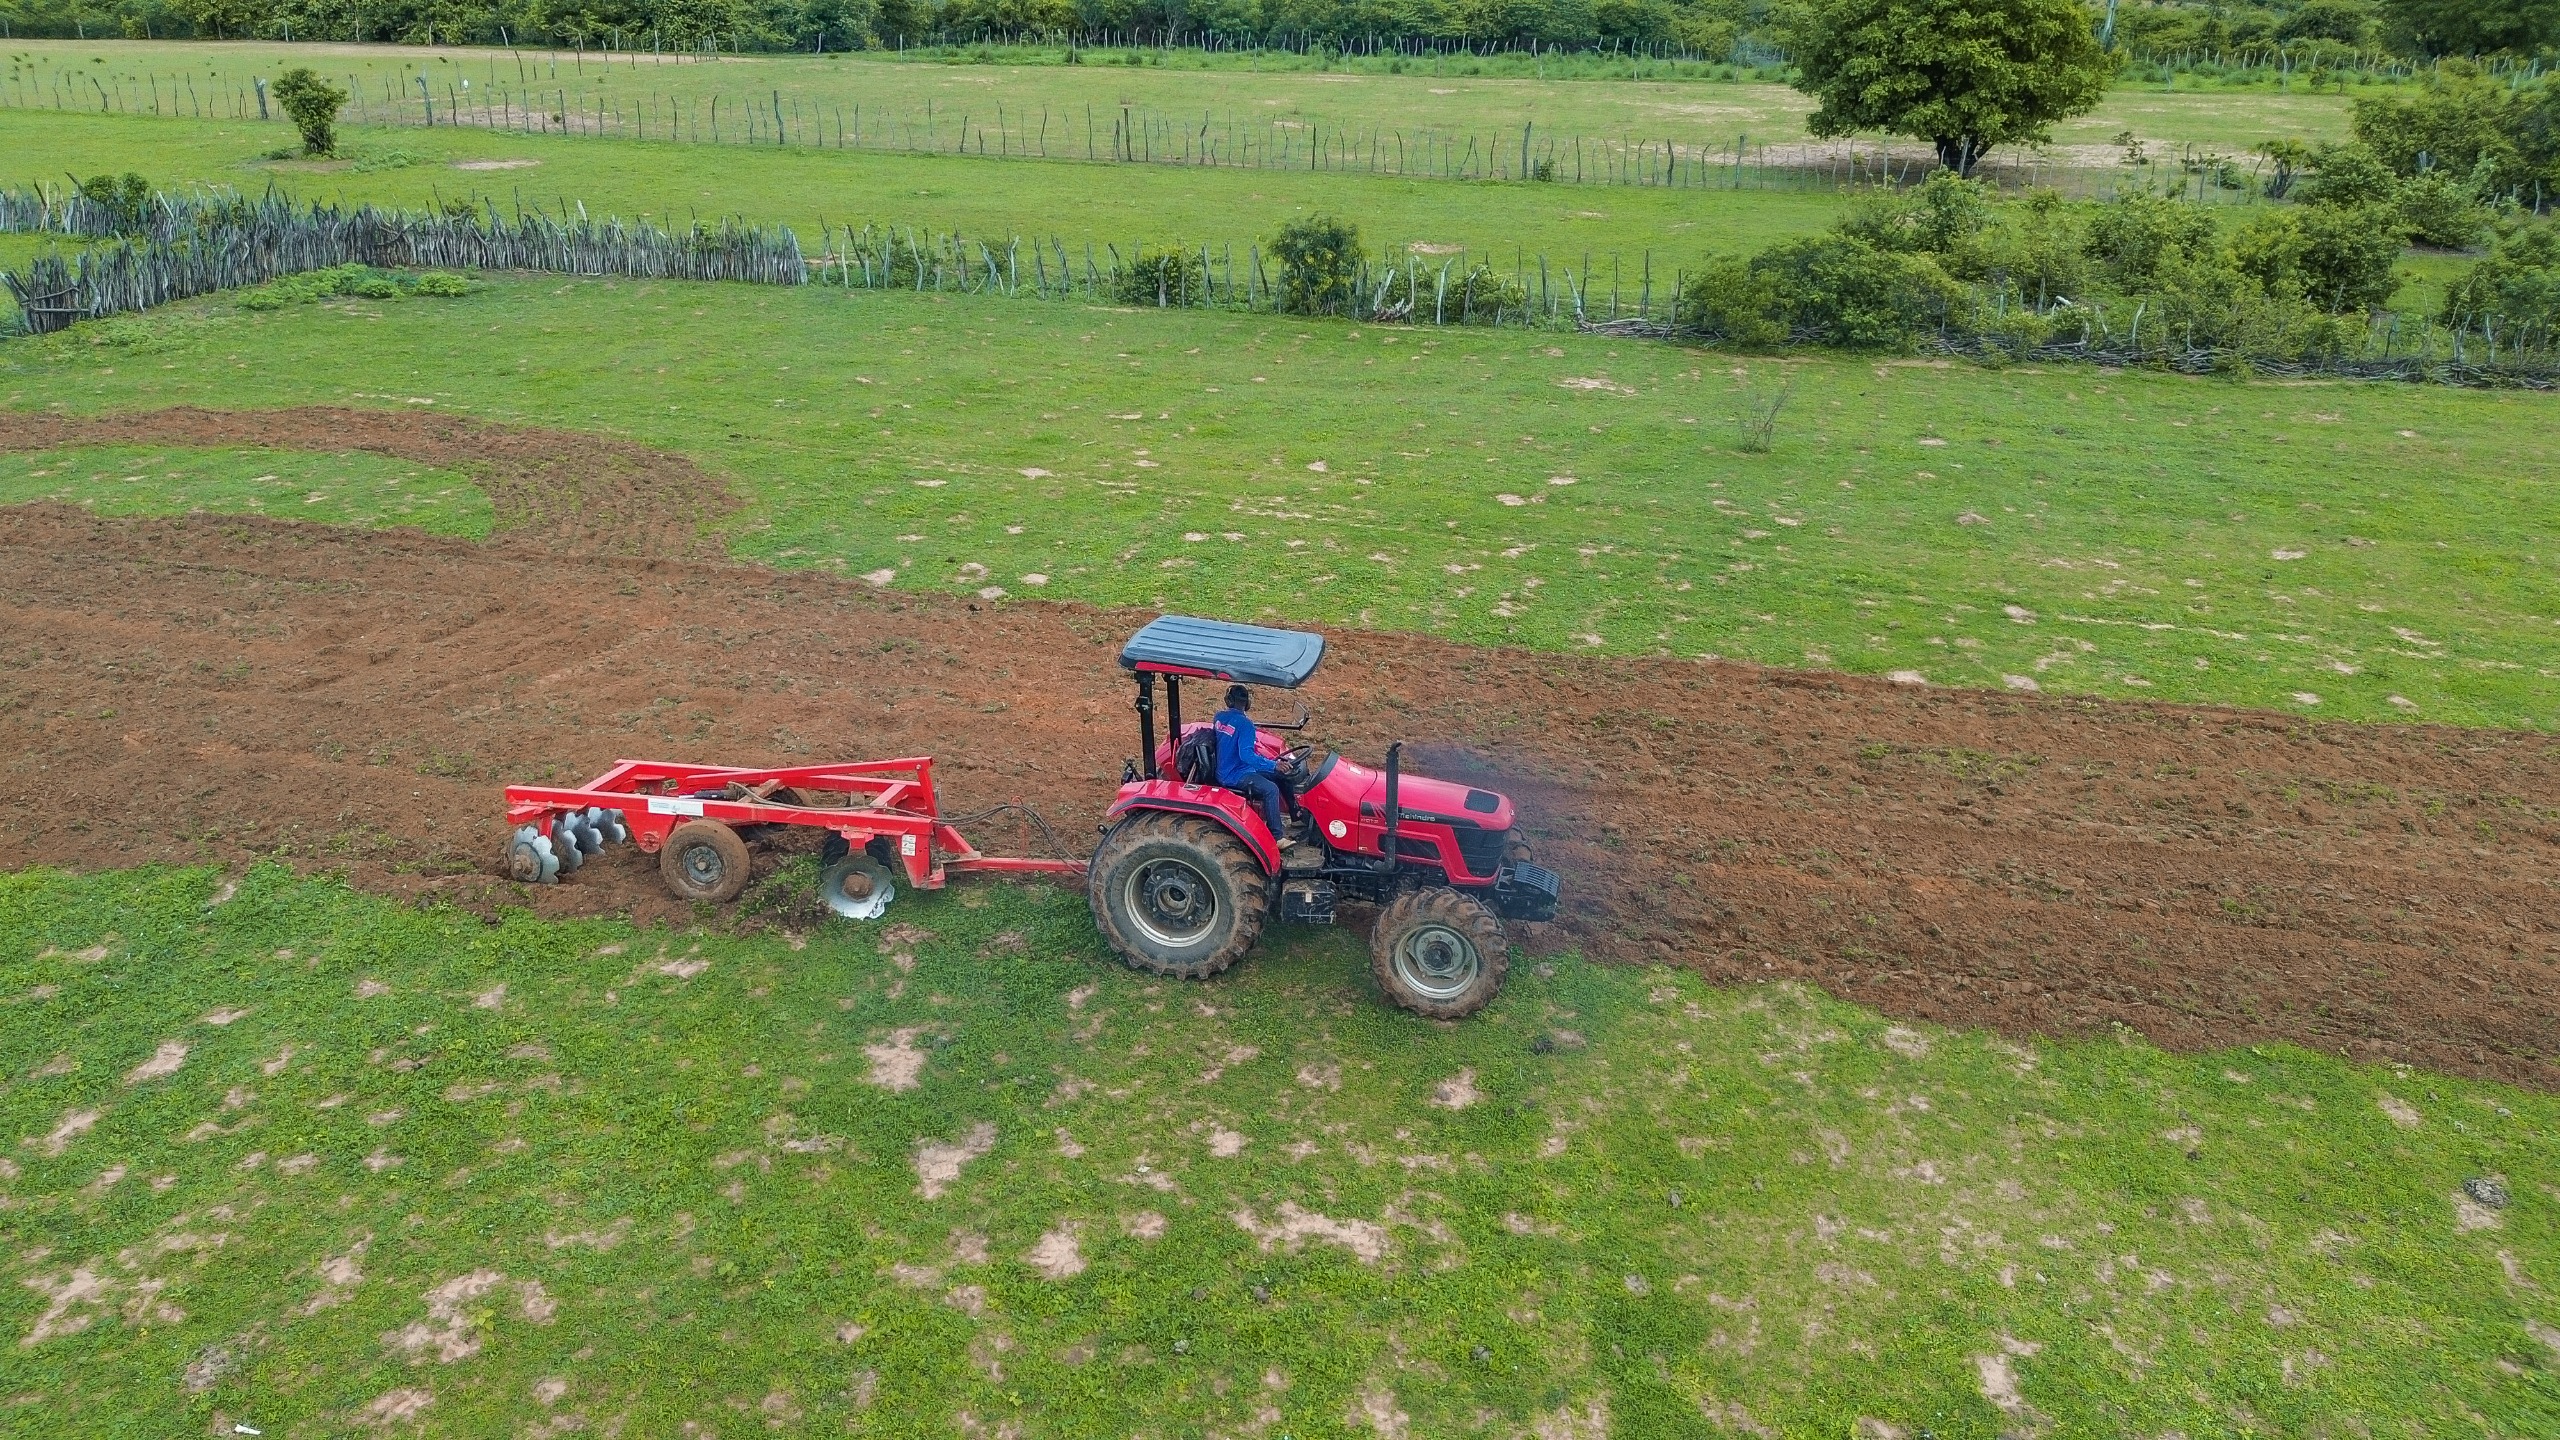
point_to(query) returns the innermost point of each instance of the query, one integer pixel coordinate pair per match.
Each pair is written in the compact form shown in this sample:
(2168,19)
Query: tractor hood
(1422,798)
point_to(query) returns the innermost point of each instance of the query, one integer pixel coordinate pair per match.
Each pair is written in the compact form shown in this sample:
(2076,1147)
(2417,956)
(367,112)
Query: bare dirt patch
(939,1162)
(163,1062)
(1457,1092)
(1057,1256)
(1294,1227)
(456,1326)
(236,688)
(897,1064)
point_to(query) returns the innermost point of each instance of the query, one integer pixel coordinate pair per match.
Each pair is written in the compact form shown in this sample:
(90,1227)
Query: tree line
(1709,28)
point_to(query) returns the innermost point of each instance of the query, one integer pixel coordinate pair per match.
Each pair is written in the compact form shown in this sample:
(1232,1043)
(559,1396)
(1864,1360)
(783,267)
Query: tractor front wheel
(1175,896)
(704,860)
(1438,952)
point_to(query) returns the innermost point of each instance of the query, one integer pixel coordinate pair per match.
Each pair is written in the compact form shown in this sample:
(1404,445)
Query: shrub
(1850,294)
(2336,258)
(1172,276)
(2349,174)
(2139,236)
(312,104)
(1934,217)
(2210,304)
(1486,296)
(123,201)
(2519,284)
(2437,209)
(2459,123)
(443,283)
(1319,261)
(1732,302)
(2037,248)
(2269,250)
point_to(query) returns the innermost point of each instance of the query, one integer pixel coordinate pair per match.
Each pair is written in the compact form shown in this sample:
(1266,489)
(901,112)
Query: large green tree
(2472,27)
(1964,75)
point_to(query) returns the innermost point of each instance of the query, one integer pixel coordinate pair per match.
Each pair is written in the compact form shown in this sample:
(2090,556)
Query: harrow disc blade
(564,842)
(857,887)
(616,828)
(590,839)
(530,858)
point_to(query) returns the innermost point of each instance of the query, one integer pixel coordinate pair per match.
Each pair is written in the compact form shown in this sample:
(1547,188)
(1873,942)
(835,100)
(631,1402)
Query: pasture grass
(306,1160)
(1452,95)
(350,488)
(991,199)
(2340,550)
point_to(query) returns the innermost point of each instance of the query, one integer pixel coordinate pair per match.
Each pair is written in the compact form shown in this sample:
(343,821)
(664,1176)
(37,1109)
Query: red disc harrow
(882,818)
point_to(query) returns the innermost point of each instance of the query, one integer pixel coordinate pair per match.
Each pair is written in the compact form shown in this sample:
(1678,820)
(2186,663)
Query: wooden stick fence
(184,246)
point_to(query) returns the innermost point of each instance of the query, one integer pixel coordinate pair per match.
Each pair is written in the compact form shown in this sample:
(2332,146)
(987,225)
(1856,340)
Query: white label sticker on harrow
(673,805)
(906,844)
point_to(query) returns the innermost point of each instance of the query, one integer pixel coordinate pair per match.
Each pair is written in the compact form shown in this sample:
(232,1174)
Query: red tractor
(1187,874)
(1188,871)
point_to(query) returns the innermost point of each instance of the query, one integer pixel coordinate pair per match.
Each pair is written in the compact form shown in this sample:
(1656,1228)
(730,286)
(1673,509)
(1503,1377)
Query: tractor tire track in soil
(215,689)
(580,494)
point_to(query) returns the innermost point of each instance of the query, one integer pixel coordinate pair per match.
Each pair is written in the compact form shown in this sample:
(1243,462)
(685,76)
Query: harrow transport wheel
(704,860)
(1176,896)
(528,858)
(1439,952)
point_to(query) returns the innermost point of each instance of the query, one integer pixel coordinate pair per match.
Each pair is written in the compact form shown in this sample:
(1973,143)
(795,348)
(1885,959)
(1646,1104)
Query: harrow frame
(888,800)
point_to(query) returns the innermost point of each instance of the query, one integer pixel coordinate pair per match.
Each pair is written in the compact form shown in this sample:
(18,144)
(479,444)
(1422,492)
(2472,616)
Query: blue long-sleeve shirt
(1238,760)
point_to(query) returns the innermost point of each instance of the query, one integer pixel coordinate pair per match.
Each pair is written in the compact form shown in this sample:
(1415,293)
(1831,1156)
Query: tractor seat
(1195,760)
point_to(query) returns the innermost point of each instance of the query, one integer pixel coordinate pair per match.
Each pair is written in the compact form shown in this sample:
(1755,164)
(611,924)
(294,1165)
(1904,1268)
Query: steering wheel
(1293,761)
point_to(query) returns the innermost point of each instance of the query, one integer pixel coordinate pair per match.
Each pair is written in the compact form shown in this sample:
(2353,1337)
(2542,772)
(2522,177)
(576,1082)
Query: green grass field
(1695,112)
(990,199)
(348,489)
(304,1160)
(2342,550)
(314,1162)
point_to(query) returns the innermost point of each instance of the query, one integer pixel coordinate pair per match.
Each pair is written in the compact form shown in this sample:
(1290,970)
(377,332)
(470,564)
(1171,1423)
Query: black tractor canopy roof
(1223,650)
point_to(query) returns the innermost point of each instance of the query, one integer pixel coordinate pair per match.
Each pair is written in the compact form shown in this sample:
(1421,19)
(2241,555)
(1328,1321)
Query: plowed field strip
(214,689)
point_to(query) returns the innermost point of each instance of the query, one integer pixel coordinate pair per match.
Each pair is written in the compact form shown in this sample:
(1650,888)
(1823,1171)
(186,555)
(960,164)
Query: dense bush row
(1945,261)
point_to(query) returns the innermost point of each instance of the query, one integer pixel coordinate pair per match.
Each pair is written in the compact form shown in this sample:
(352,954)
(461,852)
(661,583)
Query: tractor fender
(1236,814)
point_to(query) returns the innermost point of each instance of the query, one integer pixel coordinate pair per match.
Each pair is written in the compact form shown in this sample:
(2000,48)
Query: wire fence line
(1123,134)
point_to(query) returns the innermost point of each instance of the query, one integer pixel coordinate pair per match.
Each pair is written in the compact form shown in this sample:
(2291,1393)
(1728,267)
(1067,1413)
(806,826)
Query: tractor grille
(1481,848)
(1530,893)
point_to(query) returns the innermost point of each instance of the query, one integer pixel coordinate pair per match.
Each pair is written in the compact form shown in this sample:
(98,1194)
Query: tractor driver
(1244,769)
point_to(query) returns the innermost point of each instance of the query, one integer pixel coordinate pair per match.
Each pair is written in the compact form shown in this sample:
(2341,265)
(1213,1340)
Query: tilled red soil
(213,689)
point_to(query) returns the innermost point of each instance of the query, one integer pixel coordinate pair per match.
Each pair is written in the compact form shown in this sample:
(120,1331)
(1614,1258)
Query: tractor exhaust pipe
(1395,812)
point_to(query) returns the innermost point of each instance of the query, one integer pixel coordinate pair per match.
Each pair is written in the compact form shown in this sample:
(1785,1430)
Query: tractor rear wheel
(704,860)
(1175,896)
(1439,952)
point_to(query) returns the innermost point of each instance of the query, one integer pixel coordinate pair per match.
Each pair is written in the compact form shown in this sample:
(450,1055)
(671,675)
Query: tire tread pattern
(1212,847)
(1464,913)
(733,861)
